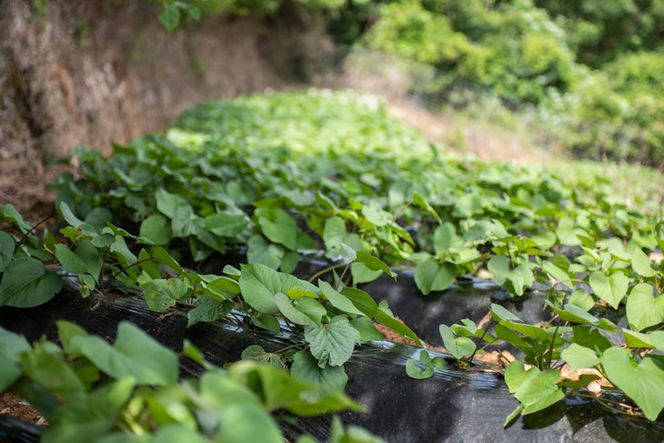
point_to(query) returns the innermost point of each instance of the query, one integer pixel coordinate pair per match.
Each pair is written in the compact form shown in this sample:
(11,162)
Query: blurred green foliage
(591,70)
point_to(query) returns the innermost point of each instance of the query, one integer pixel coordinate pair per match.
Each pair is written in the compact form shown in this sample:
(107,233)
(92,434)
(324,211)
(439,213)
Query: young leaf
(611,289)
(431,276)
(421,368)
(459,347)
(332,344)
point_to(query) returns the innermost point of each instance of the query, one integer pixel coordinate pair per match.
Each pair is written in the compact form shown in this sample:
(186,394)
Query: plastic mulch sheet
(455,405)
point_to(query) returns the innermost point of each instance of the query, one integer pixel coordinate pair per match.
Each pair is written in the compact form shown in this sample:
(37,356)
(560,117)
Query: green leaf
(582,299)
(173,433)
(226,224)
(578,357)
(535,389)
(374,263)
(70,261)
(566,232)
(9,212)
(422,203)
(258,354)
(643,309)
(266,321)
(334,231)
(170,17)
(338,300)
(283,229)
(444,237)
(499,313)
(90,417)
(641,263)
(431,276)
(52,372)
(280,390)
(643,382)
(366,329)
(167,202)
(6,249)
(305,367)
(161,294)
(484,231)
(156,229)
(26,283)
(290,312)
(362,274)
(91,257)
(651,340)
(162,256)
(420,368)
(397,326)
(66,332)
(459,347)
(69,216)
(259,284)
(183,221)
(134,354)
(311,308)
(376,215)
(611,289)
(9,372)
(557,274)
(245,423)
(575,314)
(264,253)
(11,347)
(331,344)
(499,266)
(207,309)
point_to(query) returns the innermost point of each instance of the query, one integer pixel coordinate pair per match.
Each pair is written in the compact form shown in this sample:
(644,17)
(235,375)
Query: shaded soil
(13,406)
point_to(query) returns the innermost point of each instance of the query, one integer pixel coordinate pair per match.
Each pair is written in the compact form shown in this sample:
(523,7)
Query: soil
(13,406)
(97,72)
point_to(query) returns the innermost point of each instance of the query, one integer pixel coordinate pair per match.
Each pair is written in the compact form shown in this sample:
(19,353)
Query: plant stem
(35,226)
(325,271)
(553,342)
(136,263)
(285,348)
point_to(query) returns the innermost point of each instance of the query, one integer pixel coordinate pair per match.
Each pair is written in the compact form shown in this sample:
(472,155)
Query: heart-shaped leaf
(643,382)
(432,276)
(643,309)
(332,344)
(611,289)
